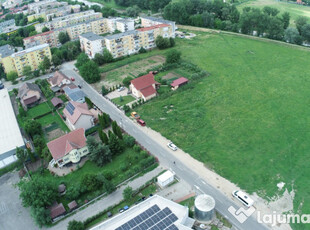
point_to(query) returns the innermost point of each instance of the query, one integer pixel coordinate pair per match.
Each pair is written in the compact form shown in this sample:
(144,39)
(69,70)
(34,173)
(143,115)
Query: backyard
(295,10)
(249,120)
(123,100)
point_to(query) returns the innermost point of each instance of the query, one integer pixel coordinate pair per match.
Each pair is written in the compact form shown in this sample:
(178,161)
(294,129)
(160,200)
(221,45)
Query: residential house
(29,94)
(75,94)
(57,210)
(59,81)
(178,82)
(68,148)
(144,87)
(78,116)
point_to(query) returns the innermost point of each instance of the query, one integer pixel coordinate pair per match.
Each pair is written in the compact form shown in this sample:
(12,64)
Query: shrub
(72,193)
(136,148)
(129,141)
(108,175)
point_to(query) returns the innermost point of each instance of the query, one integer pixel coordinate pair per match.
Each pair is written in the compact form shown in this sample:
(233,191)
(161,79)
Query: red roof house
(68,148)
(144,87)
(57,210)
(78,116)
(179,82)
(152,27)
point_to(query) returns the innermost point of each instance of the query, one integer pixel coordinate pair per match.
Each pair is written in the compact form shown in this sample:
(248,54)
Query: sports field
(250,120)
(294,9)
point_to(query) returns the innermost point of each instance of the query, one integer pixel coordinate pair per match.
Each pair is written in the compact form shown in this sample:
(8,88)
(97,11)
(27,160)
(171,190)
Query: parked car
(172,146)
(109,214)
(1,85)
(72,79)
(243,198)
(120,89)
(75,69)
(126,208)
(141,122)
(80,86)
(121,210)
(135,115)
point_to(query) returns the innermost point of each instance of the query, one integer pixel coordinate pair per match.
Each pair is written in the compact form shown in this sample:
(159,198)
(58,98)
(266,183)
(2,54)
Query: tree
(63,37)
(31,196)
(99,59)
(173,56)
(56,60)
(114,144)
(286,19)
(300,22)
(129,141)
(22,112)
(107,56)
(33,127)
(32,33)
(90,72)
(103,137)
(305,32)
(291,35)
(172,42)
(108,186)
(45,29)
(162,43)
(142,50)
(27,71)
(127,80)
(46,63)
(133,11)
(127,193)
(104,91)
(40,215)
(75,225)
(2,73)
(89,103)
(81,60)
(99,153)
(21,154)
(11,76)
(91,182)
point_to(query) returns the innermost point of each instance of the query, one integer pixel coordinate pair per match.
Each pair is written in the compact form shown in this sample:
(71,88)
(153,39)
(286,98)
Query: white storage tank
(166,178)
(204,208)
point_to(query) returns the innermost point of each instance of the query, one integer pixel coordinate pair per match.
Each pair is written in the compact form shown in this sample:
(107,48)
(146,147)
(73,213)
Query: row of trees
(153,5)
(266,22)
(163,43)
(67,52)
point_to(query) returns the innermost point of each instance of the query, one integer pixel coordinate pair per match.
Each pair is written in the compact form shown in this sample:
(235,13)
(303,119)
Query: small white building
(165,179)
(91,44)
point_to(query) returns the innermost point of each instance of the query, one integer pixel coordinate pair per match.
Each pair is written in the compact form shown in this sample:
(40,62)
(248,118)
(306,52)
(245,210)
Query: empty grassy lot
(125,100)
(38,110)
(294,9)
(250,120)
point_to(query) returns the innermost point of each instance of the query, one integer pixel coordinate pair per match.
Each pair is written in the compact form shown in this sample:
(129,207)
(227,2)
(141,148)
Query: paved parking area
(12,214)
(116,94)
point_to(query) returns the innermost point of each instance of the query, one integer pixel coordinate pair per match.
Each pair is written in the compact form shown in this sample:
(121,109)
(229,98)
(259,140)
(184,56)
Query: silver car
(172,146)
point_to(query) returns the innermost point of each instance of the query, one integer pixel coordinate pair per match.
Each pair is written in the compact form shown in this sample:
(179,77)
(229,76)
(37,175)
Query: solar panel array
(152,219)
(70,108)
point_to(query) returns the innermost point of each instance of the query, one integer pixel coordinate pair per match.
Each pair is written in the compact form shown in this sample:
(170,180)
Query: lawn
(249,121)
(125,100)
(38,110)
(53,118)
(294,9)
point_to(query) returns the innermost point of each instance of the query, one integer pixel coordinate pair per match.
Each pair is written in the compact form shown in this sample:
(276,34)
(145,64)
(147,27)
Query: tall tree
(90,72)
(33,127)
(12,76)
(41,215)
(107,56)
(286,19)
(46,63)
(300,22)
(63,37)
(27,71)
(81,60)
(127,193)
(21,154)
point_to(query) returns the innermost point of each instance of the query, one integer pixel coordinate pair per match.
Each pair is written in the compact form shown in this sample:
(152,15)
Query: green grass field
(294,9)
(38,110)
(51,118)
(249,121)
(126,100)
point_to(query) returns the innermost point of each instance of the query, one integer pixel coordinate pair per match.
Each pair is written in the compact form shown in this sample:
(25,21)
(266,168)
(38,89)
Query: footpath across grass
(249,120)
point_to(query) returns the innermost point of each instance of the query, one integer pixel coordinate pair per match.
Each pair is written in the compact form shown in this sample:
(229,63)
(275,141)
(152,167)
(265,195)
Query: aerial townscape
(154,114)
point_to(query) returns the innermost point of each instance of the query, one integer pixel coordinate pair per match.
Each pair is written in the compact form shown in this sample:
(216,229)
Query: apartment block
(49,37)
(11,3)
(91,44)
(29,57)
(117,23)
(6,25)
(68,20)
(152,21)
(37,7)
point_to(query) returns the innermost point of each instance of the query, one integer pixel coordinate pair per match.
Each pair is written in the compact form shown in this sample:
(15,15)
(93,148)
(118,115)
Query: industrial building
(10,135)
(204,208)
(155,212)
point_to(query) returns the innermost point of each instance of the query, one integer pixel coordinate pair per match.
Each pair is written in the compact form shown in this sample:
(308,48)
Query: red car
(72,79)
(141,122)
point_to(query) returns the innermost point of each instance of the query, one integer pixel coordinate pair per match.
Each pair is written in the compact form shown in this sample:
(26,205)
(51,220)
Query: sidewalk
(108,201)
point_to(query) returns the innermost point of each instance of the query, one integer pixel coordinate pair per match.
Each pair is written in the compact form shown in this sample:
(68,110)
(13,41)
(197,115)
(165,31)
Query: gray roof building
(6,50)
(159,20)
(23,90)
(120,35)
(91,36)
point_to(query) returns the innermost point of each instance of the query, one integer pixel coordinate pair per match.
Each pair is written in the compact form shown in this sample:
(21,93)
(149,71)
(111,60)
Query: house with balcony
(69,148)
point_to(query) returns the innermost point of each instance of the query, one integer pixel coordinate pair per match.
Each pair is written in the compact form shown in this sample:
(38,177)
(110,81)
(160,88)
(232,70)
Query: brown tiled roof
(143,81)
(72,205)
(30,100)
(79,109)
(57,210)
(57,78)
(64,144)
(148,91)
(179,81)
(56,101)
(23,90)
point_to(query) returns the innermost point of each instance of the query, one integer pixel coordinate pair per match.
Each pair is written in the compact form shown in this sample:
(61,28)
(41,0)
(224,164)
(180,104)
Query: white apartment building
(91,44)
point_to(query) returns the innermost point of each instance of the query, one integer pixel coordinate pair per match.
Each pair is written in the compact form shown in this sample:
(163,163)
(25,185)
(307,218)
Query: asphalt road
(163,153)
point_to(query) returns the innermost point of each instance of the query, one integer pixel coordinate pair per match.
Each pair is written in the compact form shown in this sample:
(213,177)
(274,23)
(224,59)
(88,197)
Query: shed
(165,179)
(56,102)
(57,210)
(61,188)
(72,205)
(178,82)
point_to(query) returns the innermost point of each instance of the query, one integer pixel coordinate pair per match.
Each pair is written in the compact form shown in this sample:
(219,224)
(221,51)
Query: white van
(244,198)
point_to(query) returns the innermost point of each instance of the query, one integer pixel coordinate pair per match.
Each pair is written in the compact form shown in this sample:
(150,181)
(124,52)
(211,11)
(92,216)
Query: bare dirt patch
(54,134)
(115,76)
(171,75)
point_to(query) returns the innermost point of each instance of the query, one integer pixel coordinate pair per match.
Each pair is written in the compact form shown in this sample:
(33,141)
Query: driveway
(116,94)
(12,214)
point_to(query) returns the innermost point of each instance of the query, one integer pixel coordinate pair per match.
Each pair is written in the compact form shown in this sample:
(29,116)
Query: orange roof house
(144,87)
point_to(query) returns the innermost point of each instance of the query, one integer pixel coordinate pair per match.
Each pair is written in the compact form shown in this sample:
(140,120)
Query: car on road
(1,85)
(72,79)
(75,69)
(120,89)
(22,78)
(80,86)
(141,122)
(172,146)
(243,198)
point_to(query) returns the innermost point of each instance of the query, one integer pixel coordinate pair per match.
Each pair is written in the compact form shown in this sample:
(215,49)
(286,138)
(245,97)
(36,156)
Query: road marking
(203,182)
